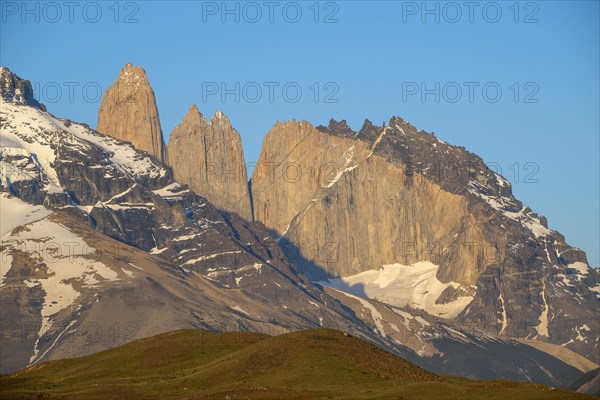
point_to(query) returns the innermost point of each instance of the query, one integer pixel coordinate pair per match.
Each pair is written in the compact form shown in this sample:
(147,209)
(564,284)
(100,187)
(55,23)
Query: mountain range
(389,234)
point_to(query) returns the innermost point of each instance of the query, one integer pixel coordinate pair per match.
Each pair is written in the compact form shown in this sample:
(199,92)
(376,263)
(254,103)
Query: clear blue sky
(375,54)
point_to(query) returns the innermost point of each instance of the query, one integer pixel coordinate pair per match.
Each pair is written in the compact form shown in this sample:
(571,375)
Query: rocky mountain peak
(17,90)
(194,108)
(338,128)
(208,157)
(442,202)
(369,132)
(133,73)
(292,125)
(221,119)
(194,117)
(406,127)
(128,112)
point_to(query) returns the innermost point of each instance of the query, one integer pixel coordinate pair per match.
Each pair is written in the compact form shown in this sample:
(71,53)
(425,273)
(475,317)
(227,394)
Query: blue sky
(368,59)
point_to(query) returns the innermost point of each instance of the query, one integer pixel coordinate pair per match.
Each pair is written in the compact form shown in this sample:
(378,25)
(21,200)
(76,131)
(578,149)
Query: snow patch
(208,257)
(170,190)
(128,272)
(542,328)
(580,330)
(375,315)
(504,316)
(239,309)
(15,212)
(505,204)
(348,156)
(66,261)
(400,285)
(581,267)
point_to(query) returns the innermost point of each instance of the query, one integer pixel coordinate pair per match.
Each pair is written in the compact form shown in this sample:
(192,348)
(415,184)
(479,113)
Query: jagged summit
(194,109)
(221,119)
(17,90)
(338,128)
(208,156)
(369,132)
(193,116)
(128,112)
(219,114)
(133,73)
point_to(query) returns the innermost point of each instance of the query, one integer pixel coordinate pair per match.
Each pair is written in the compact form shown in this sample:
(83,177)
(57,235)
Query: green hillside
(193,364)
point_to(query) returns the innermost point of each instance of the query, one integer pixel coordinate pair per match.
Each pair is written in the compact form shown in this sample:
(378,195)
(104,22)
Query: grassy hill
(311,364)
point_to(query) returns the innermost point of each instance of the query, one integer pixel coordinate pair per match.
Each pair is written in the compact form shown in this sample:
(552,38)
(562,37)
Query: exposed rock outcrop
(128,112)
(208,156)
(17,90)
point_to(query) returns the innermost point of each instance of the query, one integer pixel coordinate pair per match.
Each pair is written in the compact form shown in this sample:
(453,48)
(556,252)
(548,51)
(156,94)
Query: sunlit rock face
(208,156)
(128,112)
(352,202)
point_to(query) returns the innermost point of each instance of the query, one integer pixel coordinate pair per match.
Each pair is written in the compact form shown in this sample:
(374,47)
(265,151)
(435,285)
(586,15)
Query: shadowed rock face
(208,156)
(17,90)
(128,112)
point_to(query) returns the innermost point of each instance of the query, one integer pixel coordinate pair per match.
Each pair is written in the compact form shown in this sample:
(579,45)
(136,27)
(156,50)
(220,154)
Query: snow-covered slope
(68,290)
(399,285)
(36,132)
(61,263)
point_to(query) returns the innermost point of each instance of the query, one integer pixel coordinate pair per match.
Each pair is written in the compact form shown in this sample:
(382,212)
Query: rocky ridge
(17,90)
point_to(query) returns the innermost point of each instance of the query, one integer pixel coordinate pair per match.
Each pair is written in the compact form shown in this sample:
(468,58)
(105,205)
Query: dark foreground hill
(194,364)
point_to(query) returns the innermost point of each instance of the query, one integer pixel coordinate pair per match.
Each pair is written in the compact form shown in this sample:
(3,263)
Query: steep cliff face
(295,161)
(352,202)
(313,186)
(347,207)
(208,156)
(128,112)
